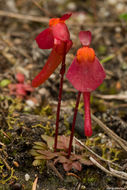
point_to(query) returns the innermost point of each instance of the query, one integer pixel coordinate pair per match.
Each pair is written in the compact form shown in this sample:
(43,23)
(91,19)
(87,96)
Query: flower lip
(85,38)
(85,54)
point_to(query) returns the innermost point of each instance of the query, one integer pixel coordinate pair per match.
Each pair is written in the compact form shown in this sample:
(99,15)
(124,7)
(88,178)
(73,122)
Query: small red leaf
(61,159)
(77,165)
(28,87)
(66,16)
(67,166)
(63,143)
(20,77)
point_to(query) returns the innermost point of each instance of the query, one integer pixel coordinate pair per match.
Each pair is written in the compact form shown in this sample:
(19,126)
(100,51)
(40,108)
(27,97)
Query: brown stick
(105,170)
(5,162)
(46,12)
(24,17)
(46,20)
(111,97)
(51,165)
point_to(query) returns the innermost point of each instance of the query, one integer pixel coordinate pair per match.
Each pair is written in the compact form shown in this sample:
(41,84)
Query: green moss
(4,138)
(103,87)
(91,179)
(6,178)
(102,49)
(99,104)
(47,110)
(84,180)
(47,128)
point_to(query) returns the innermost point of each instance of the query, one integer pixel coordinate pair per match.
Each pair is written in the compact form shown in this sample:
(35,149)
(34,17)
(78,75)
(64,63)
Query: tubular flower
(86,74)
(57,37)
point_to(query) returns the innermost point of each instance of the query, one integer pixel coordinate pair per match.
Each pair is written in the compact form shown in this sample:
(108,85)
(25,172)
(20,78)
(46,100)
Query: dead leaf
(49,140)
(35,184)
(61,159)
(37,162)
(48,154)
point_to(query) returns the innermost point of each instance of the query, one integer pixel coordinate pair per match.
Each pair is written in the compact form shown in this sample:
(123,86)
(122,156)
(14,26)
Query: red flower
(56,37)
(86,74)
(20,89)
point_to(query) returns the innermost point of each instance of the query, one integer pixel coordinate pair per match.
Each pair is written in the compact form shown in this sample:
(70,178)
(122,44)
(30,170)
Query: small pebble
(120,7)
(30,103)
(44,92)
(81,17)
(27,177)
(71,6)
(112,2)
(83,187)
(118,29)
(60,1)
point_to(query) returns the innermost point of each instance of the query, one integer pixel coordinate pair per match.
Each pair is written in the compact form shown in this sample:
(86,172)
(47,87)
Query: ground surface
(23,121)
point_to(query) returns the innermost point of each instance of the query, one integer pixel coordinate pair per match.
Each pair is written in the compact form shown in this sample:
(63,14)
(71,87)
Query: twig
(46,20)
(2,144)
(24,17)
(74,175)
(106,59)
(35,184)
(110,97)
(6,164)
(5,134)
(96,155)
(105,170)
(51,165)
(42,9)
(113,135)
(118,172)
(110,57)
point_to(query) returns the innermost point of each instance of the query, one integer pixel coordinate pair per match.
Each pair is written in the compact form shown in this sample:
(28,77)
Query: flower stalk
(62,72)
(73,124)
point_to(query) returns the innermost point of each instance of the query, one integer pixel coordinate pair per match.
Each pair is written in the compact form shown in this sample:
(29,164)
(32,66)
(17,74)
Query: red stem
(73,124)
(87,122)
(62,71)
